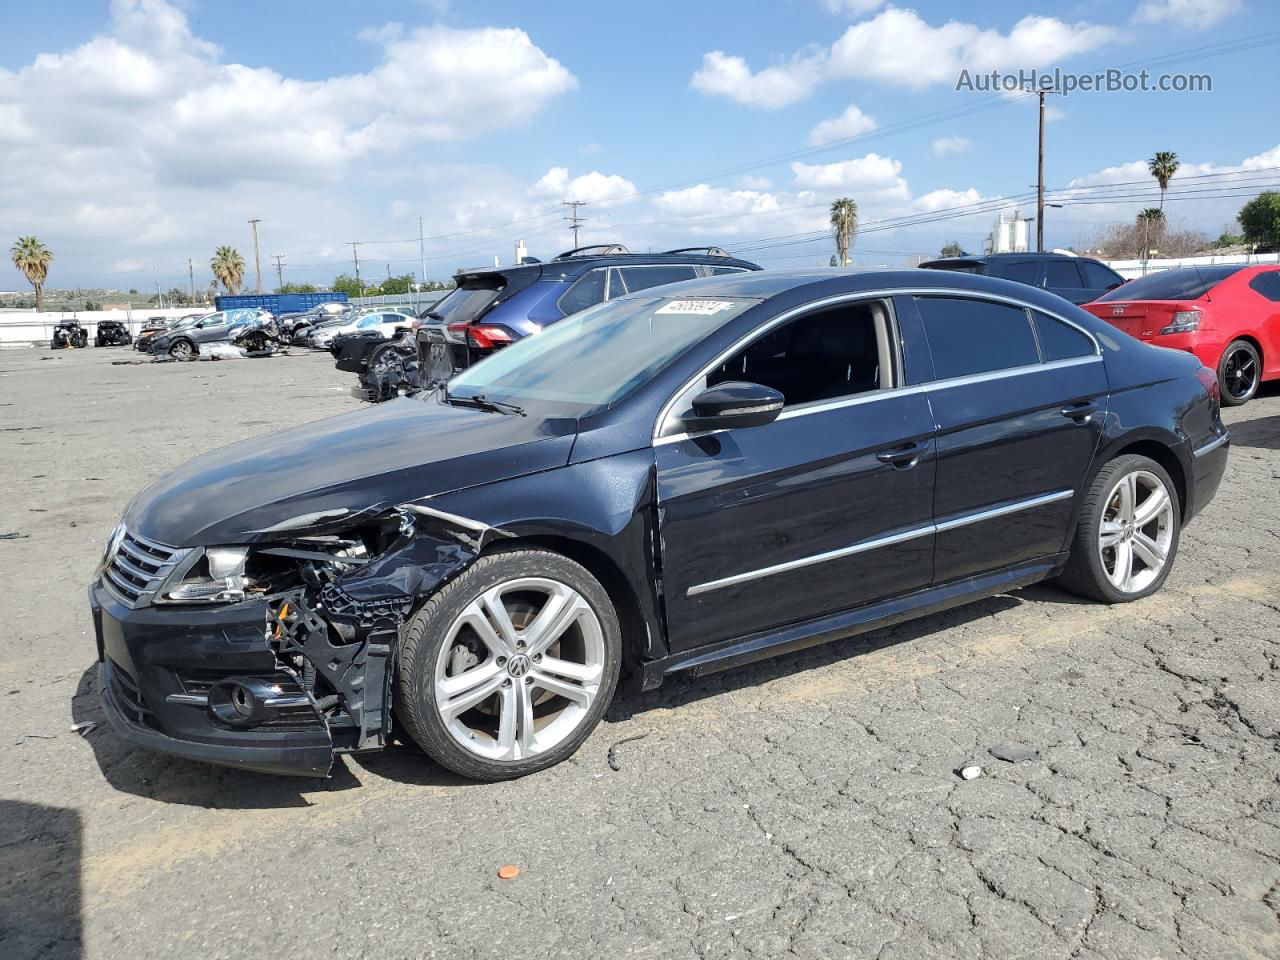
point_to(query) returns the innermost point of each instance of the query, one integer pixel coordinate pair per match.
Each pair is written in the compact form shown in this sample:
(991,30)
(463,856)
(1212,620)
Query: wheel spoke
(578,672)
(474,617)
(1122,573)
(1151,507)
(1110,534)
(1148,551)
(451,687)
(450,708)
(491,603)
(569,691)
(559,613)
(1128,491)
(515,722)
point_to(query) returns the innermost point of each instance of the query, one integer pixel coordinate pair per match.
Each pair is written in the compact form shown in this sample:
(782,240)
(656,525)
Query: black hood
(395,452)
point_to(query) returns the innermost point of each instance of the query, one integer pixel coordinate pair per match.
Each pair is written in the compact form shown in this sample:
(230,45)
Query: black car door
(1098,279)
(824,509)
(1063,278)
(1018,398)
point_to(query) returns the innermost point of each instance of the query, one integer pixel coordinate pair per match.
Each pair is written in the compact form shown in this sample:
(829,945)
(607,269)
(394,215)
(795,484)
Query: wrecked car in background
(679,481)
(247,328)
(67,334)
(111,333)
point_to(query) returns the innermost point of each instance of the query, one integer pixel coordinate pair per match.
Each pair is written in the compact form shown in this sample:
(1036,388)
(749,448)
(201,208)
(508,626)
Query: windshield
(1186,283)
(595,358)
(463,304)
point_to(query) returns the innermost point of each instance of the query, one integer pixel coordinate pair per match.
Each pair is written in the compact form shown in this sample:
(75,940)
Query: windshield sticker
(700,308)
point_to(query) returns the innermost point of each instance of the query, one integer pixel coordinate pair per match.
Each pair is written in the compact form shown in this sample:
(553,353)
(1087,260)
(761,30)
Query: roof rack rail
(709,251)
(595,250)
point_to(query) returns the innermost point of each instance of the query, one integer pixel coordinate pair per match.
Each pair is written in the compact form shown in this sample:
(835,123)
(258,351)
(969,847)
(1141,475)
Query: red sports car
(1228,316)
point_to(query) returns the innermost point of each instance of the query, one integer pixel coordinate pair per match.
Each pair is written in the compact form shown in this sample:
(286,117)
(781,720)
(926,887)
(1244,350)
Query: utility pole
(257,262)
(191,277)
(355,255)
(278,257)
(1040,182)
(575,221)
(422,254)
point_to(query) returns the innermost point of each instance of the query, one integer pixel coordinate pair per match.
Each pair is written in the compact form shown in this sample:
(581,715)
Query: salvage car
(1227,316)
(672,483)
(111,333)
(67,334)
(152,327)
(183,342)
(384,320)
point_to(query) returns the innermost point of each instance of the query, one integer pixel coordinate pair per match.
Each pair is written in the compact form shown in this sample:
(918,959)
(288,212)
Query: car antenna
(1200,280)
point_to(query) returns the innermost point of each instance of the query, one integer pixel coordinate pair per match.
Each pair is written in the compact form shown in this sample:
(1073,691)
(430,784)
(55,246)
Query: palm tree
(228,268)
(32,257)
(844,224)
(1163,166)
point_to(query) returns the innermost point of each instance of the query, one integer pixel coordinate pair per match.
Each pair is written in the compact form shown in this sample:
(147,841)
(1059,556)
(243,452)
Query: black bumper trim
(309,761)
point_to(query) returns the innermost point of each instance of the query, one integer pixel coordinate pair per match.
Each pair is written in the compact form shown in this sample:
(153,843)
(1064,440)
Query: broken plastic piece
(84,727)
(1013,754)
(971,770)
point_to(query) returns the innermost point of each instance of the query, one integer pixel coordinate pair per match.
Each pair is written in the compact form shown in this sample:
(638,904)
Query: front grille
(138,567)
(127,695)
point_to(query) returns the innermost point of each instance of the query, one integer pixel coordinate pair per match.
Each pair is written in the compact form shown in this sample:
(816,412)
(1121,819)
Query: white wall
(1129,269)
(26,327)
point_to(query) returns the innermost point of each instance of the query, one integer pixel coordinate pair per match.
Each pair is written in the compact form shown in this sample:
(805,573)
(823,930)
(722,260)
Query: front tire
(508,669)
(1127,536)
(182,350)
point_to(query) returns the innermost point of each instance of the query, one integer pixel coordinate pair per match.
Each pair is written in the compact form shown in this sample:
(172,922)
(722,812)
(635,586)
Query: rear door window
(587,291)
(1061,275)
(642,278)
(1098,277)
(1021,271)
(616,286)
(1060,341)
(970,336)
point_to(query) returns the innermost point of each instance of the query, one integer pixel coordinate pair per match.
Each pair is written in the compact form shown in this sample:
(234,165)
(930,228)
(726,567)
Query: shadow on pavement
(40,910)
(1262,432)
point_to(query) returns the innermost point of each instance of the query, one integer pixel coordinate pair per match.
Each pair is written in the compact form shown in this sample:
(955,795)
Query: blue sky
(142,132)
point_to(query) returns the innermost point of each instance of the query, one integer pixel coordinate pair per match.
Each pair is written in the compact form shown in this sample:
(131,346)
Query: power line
(575,221)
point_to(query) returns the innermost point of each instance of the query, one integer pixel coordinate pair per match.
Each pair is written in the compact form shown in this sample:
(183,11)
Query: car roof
(571,265)
(988,257)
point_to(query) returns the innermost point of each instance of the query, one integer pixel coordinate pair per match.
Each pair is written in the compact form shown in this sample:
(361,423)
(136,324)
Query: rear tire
(1239,373)
(477,642)
(1127,536)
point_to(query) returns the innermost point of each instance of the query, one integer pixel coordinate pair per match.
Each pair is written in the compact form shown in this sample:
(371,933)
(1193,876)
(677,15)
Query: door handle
(903,457)
(1080,412)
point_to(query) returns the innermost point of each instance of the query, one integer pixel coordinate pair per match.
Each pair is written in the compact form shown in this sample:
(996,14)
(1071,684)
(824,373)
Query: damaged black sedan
(667,484)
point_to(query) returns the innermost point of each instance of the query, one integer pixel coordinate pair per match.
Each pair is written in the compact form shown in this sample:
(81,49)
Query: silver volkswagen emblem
(1116,311)
(518,665)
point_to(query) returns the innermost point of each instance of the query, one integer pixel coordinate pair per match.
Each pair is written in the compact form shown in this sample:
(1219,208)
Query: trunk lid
(1142,319)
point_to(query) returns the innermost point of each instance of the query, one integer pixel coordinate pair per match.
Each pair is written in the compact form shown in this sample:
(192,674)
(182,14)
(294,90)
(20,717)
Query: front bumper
(157,663)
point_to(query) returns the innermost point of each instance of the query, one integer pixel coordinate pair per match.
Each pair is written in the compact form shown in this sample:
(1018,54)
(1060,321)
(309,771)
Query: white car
(384,321)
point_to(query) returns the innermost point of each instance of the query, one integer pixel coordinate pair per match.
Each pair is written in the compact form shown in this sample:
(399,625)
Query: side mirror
(734,404)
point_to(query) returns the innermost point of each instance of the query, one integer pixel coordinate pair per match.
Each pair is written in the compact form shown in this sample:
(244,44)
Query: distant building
(1009,235)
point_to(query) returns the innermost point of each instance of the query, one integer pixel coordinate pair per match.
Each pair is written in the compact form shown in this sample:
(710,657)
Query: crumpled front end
(278,661)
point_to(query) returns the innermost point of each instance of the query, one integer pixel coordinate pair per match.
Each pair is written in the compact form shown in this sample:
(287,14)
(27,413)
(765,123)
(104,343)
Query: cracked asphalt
(803,807)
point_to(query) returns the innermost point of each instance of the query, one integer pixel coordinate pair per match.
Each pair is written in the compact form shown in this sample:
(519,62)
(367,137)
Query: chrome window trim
(665,412)
(892,539)
(1211,446)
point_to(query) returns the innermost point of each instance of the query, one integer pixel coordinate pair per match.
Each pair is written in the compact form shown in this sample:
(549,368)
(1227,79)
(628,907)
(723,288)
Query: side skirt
(727,654)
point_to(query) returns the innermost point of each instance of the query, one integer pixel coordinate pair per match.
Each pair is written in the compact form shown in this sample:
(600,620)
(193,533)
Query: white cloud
(751,182)
(773,87)
(401,209)
(853,8)
(1190,14)
(945,145)
(945,199)
(899,48)
(589,148)
(870,177)
(593,187)
(850,123)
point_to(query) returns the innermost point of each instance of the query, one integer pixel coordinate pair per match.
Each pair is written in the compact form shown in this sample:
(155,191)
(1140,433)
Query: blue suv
(491,308)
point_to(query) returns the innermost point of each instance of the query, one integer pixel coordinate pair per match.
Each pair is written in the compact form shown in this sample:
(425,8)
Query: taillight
(488,336)
(457,332)
(1184,321)
(1209,380)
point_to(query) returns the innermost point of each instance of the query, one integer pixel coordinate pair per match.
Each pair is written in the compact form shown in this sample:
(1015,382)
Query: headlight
(216,577)
(113,543)
(1184,321)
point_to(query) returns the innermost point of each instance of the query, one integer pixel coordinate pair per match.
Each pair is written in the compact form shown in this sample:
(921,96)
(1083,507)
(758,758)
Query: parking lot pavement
(807,806)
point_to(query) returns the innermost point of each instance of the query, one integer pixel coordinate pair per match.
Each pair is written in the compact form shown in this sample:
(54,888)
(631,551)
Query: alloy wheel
(1136,533)
(519,669)
(180,350)
(1240,373)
